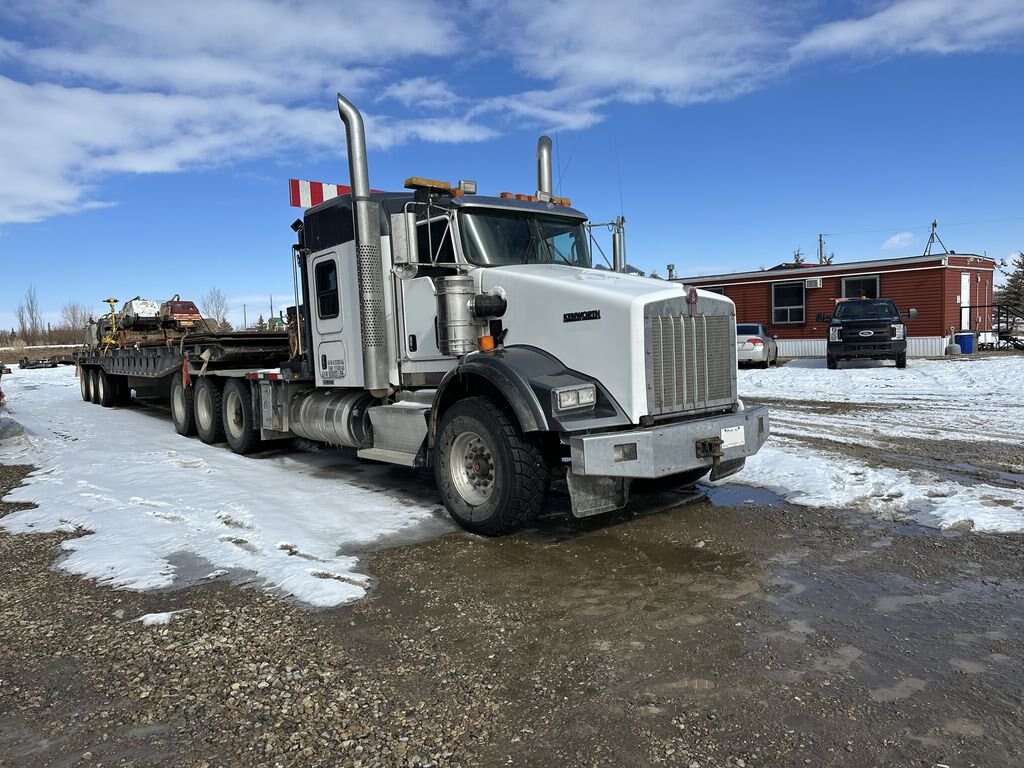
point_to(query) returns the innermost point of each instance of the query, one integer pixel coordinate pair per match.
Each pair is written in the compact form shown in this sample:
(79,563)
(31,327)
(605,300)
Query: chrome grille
(691,363)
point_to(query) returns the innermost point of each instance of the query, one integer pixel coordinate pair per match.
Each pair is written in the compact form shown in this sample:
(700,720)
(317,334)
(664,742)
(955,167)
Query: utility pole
(271,305)
(245,323)
(821,249)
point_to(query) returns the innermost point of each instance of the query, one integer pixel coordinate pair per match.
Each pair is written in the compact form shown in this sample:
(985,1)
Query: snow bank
(968,399)
(165,510)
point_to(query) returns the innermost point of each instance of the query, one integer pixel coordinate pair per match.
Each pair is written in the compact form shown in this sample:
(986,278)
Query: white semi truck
(440,328)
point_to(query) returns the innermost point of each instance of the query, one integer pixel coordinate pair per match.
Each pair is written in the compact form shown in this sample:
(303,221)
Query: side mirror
(774,337)
(404,247)
(912,313)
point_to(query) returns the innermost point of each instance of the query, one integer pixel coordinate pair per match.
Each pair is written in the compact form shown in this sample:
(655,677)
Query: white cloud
(899,240)
(115,86)
(421,92)
(919,26)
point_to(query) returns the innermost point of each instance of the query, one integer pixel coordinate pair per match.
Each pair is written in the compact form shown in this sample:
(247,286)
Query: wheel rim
(178,404)
(472,468)
(204,408)
(101,384)
(234,420)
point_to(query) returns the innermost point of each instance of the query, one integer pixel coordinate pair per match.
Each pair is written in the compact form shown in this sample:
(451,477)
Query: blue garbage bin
(966,342)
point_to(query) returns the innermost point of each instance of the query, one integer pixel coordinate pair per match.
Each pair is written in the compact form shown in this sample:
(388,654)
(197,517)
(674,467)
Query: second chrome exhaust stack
(544,168)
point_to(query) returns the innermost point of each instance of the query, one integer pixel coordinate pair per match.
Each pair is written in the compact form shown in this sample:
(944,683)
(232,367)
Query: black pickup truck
(867,328)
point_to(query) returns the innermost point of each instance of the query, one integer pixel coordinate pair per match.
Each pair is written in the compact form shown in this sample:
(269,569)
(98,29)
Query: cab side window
(327,301)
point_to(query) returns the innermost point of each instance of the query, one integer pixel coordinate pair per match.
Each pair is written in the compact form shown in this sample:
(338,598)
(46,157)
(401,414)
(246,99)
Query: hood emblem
(867,333)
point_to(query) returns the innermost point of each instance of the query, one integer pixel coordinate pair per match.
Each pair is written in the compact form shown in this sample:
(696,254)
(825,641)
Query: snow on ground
(166,510)
(959,399)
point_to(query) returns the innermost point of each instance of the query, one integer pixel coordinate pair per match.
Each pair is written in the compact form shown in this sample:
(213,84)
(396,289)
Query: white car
(755,345)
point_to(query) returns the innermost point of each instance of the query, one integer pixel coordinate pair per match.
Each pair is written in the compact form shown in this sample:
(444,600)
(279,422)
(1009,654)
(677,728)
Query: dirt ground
(731,631)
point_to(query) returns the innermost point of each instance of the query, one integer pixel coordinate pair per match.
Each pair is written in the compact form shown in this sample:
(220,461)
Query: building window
(860,287)
(326,276)
(787,303)
(716,289)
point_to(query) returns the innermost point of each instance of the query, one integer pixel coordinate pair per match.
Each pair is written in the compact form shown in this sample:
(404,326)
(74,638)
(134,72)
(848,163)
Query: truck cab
(472,334)
(867,328)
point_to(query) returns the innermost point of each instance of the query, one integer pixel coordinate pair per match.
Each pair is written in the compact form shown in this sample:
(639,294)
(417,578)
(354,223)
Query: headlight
(899,331)
(835,333)
(581,396)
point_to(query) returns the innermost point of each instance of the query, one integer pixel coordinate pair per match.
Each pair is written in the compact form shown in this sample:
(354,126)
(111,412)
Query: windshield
(492,238)
(865,310)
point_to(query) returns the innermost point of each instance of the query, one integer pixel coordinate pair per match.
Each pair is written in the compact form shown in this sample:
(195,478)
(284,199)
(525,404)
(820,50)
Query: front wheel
(831,362)
(491,477)
(901,360)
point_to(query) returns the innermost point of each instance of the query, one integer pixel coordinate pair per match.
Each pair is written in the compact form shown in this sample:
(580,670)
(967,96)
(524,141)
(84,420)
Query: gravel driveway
(734,631)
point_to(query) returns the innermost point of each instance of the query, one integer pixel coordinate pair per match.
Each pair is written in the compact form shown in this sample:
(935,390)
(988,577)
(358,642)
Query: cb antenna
(934,238)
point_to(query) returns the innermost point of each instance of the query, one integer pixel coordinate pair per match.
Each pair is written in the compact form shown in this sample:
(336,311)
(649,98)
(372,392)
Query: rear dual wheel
(238,418)
(207,403)
(182,407)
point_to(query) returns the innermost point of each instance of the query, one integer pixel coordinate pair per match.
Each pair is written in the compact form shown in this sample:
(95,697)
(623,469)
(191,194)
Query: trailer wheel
(104,389)
(182,407)
(122,392)
(492,479)
(83,383)
(209,421)
(94,386)
(236,407)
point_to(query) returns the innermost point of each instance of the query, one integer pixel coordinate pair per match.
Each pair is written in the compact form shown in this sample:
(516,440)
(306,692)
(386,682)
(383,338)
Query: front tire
(209,420)
(831,362)
(491,477)
(237,416)
(901,360)
(182,407)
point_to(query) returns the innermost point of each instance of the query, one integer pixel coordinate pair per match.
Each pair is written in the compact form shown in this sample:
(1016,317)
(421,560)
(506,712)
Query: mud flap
(595,494)
(723,469)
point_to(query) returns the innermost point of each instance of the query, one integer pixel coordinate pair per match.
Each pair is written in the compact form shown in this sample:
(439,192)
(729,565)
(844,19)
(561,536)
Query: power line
(916,228)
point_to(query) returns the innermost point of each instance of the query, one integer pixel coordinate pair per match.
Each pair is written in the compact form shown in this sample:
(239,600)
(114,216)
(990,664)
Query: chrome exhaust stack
(366,222)
(544,184)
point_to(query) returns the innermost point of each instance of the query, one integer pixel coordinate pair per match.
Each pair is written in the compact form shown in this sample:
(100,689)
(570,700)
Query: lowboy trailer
(440,328)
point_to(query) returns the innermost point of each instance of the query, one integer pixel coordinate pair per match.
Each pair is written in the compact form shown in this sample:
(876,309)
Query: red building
(952,292)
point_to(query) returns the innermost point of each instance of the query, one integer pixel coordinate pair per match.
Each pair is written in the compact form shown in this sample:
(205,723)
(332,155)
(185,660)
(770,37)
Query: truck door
(328,320)
(419,300)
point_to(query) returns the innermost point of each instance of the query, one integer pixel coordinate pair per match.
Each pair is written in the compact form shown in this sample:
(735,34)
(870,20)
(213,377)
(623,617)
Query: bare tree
(30,319)
(74,315)
(215,309)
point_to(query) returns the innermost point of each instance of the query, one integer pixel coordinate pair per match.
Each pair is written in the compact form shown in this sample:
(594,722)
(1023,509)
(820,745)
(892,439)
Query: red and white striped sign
(306,194)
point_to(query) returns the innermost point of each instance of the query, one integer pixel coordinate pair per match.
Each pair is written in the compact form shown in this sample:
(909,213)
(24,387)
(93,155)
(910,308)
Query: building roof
(813,270)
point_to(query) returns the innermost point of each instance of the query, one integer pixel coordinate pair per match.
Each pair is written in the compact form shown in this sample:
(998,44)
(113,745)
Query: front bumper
(673,448)
(844,350)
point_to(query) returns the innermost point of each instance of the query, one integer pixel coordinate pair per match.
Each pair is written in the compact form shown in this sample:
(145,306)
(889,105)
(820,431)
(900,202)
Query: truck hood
(590,320)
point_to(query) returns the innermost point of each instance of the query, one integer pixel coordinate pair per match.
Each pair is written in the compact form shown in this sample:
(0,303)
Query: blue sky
(147,151)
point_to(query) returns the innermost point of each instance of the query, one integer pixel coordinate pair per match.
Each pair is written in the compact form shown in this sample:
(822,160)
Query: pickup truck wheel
(901,360)
(236,409)
(182,407)
(83,383)
(831,362)
(492,479)
(209,421)
(94,394)
(104,389)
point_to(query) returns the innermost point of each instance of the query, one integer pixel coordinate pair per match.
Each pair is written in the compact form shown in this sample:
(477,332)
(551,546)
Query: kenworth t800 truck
(440,328)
